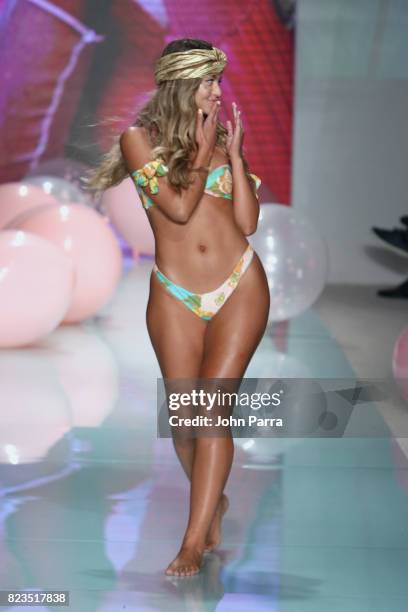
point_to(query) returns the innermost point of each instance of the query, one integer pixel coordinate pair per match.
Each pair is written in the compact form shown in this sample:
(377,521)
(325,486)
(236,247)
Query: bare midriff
(202,253)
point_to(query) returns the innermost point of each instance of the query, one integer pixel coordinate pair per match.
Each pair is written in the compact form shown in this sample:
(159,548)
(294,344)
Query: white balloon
(295,259)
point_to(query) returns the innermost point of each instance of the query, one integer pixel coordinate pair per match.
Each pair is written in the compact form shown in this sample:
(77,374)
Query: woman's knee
(184,440)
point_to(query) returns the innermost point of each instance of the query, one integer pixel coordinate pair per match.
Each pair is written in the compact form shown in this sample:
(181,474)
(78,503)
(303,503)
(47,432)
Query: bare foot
(187,562)
(214,532)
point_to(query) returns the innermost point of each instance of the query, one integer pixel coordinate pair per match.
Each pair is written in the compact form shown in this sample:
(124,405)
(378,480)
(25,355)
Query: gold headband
(190,64)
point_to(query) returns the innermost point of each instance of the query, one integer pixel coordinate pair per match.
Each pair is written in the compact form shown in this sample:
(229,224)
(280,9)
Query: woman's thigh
(176,333)
(177,336)
(235,331)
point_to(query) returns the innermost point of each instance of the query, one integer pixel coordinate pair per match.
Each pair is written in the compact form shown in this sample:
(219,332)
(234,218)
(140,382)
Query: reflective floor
(92,502)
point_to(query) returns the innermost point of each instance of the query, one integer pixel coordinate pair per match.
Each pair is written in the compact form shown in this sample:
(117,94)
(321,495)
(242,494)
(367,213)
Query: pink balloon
(87,239)
(126,213)
(16,198)
(400,362)
(36,282)
(18,220)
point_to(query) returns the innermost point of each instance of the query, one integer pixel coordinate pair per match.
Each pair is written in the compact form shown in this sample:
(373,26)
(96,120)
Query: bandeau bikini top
(218,184)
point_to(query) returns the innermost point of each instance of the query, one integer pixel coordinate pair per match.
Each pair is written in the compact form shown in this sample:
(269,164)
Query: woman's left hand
(235,138)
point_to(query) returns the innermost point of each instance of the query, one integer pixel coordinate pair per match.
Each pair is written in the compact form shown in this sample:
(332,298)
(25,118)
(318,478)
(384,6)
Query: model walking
(209,299)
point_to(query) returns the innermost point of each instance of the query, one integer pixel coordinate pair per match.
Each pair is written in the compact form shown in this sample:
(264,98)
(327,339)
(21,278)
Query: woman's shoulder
(133,133)
(135,147)
(138,135)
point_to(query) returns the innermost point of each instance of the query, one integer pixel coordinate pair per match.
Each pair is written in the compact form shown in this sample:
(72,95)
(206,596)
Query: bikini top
(218,184)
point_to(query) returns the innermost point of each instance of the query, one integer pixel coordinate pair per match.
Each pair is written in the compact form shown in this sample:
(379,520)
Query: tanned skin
(199,240)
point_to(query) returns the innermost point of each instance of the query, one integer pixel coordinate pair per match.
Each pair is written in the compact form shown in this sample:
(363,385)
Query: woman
(209,299)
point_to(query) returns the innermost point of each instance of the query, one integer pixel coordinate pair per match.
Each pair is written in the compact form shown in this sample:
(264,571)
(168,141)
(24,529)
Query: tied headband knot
(191,64)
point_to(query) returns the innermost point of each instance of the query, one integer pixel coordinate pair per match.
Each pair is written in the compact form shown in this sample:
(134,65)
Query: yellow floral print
(224,182)
(147,177)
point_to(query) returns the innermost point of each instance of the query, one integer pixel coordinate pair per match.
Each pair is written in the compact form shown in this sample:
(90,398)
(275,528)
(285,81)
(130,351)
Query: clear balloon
(64,191)
(69,169)
(87,239)
(127,215)
(295,259)
(36,283)
(16,198)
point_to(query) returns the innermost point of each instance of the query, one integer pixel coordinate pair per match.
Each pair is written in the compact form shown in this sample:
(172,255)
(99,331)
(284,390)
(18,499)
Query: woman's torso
(201,253)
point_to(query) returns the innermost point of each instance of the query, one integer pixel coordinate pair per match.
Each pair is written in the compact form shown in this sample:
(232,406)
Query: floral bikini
(218,184)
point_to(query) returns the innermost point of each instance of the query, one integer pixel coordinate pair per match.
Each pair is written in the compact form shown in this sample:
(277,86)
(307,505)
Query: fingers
(215,109)
(237,115)
(236,132)
(199,125)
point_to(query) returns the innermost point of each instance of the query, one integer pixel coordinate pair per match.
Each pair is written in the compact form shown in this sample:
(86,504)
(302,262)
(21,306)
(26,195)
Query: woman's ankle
(194,541)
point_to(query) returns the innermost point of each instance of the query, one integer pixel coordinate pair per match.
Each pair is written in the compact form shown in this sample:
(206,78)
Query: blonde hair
(169,118)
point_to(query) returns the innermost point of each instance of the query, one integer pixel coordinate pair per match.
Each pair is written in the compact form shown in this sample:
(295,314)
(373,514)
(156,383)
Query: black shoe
(396,239)
(401,291)
(404,220)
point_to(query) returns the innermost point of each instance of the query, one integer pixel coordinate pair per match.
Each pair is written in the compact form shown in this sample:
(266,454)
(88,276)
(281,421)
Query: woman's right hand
(206,128)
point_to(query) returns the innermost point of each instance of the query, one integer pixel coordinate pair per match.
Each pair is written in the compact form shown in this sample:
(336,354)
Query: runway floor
(92,502)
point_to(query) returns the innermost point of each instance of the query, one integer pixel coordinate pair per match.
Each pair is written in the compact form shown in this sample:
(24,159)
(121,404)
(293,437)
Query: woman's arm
(245,199)
(136,152)
(246,205)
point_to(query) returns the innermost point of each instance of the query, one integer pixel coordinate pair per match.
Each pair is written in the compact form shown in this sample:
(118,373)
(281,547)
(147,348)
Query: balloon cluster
(59,260)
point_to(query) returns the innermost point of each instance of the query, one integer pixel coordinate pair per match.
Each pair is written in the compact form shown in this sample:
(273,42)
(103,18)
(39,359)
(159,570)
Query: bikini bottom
(206,305)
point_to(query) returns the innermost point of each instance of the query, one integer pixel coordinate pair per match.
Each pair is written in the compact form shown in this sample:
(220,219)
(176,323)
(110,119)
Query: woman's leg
(229,343)
(177,336)
(179,348)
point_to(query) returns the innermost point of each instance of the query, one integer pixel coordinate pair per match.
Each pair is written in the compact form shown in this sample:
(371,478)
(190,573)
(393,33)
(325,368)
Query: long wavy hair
(169,118)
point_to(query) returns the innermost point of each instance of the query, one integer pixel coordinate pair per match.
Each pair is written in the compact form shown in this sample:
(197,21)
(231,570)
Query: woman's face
(208,91)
